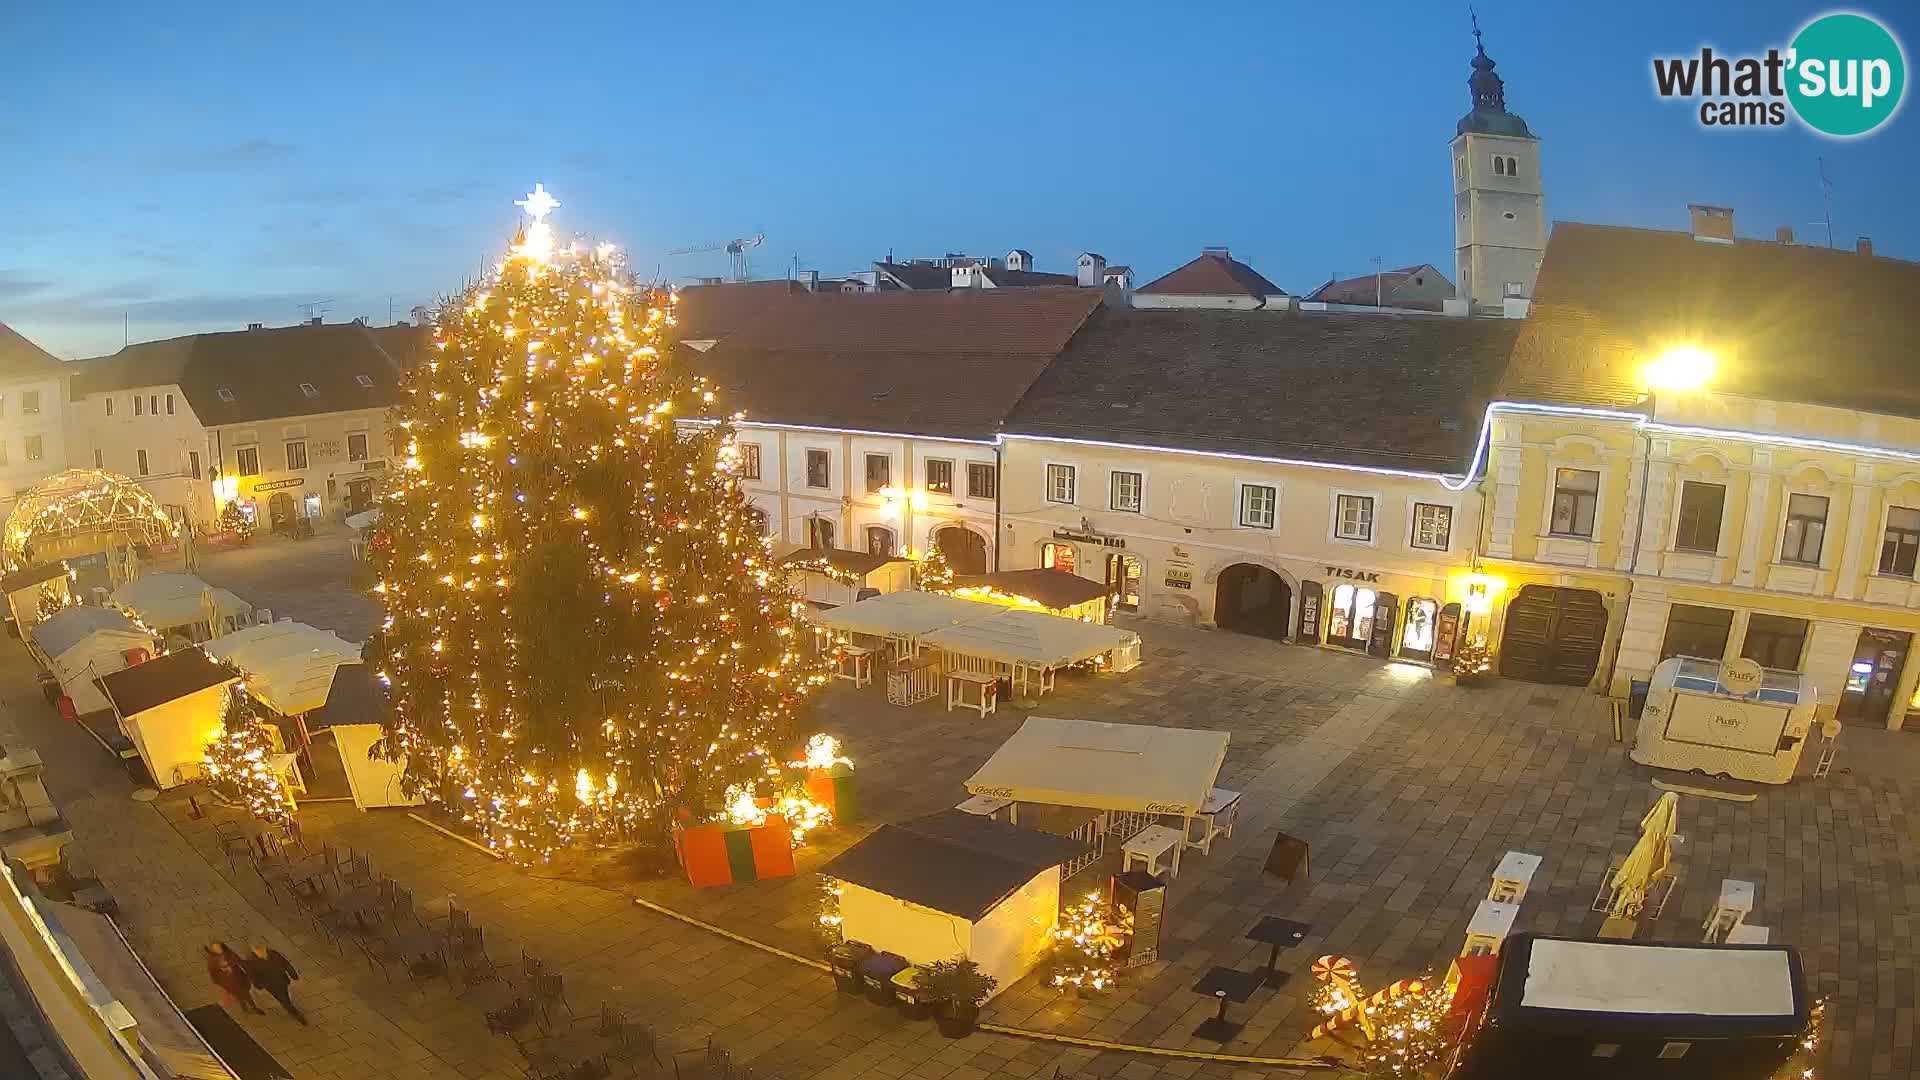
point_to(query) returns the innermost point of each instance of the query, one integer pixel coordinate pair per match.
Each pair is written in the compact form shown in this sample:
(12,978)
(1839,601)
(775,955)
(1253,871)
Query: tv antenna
(1826,197)
(314,309)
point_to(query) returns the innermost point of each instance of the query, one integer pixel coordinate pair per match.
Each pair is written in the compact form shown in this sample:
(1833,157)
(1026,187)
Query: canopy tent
(902,616)
(171,707)
(364,519)
(1131,767)
(81,644)
(1055,591)
(954,883)
(1021,644)
(289,666)
(170,601)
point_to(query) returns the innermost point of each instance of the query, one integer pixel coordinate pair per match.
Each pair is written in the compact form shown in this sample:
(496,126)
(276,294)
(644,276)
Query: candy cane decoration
(1338,972)
(1391,991)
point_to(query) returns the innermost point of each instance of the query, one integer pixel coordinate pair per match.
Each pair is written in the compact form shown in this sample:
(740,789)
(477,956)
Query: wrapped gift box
(721,854)
(833,788)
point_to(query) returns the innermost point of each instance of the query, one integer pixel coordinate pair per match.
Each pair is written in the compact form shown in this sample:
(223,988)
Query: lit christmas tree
(235,521)
(585,638)
(1473,664)
(934,573)
(238,761)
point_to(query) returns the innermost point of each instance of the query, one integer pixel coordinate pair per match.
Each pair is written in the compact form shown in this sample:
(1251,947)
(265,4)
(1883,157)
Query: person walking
(229,973)
(274,973)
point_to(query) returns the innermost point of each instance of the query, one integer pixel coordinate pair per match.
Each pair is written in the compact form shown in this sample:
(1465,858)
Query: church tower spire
(1499,224)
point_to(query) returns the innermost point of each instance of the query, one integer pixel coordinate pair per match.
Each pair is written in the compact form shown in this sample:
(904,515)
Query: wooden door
(1553,635)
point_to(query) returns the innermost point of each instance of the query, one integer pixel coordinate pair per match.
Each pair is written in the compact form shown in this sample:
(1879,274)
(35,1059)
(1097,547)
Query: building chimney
(1783,234)
(810,280)
(1864,245)
(256,326)
(1090,269)
(1216,252)
(1712,224)
(315,321)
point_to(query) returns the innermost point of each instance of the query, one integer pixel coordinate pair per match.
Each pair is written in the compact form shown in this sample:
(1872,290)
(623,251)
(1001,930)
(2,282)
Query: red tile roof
(1364,289)
(1213,274)
(707,312)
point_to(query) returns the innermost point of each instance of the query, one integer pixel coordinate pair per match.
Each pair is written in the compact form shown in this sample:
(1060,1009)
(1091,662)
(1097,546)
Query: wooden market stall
(1027,647)
(81,644)
(1056,592)
(290,669)
(182,605)
(171,708)
(835,576)
(954,883)
(22,590)
(350,720)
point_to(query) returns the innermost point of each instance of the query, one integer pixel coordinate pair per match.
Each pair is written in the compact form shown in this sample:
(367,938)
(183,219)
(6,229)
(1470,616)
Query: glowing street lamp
(1680,367)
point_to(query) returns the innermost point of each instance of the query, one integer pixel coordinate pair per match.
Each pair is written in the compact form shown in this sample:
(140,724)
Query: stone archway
(1253,599)
(965,550)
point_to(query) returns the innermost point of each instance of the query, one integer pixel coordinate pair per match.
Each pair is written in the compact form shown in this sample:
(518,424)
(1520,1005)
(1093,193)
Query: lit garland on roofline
(586,638)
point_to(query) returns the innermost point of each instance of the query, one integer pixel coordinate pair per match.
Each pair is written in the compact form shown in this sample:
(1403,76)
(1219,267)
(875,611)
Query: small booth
(954,883)
(833,577)
(81,644)
(291,669)
(1056,592)
(1029,646)
(171,708)
(897,621)
(1733,719)
(350,720)
(24,587)
(1130,775)
(1668,1010)
(183,605)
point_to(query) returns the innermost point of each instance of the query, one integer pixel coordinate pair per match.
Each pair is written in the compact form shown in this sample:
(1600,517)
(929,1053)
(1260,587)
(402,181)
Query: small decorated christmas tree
(238,761)
(235,521)
(50,602)
(1473,664)
(934,573)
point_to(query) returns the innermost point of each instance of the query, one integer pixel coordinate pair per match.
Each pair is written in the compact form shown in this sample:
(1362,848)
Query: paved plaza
(1408,788)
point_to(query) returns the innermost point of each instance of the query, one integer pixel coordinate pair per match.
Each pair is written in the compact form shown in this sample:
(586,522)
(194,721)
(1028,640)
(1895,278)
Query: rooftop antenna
(1826,196)
(314,309)
(1378,291)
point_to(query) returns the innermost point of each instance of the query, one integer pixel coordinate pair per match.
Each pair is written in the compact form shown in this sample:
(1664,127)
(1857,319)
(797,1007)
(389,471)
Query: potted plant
(958,988)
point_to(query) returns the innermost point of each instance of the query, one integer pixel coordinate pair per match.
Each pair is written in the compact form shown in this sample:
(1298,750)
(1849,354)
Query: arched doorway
(964,549)
(1253,600)
(280,509)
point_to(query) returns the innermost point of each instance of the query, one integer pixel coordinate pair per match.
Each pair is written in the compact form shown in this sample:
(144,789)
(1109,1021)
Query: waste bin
(845,959)
(877,971)
(913,1002)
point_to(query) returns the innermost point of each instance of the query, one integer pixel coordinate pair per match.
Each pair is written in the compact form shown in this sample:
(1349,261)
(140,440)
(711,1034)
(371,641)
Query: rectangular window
(1257,502)
(140,461)
(1806,529)
(193,463)
(1774,641)
(1060,483)
(940,476)
(29,402)
(109,406)
(819,533)
(356,446)
(1353,517)
(1432,526)
(297,454)
(247,461)
(1700,509)
(1576,493)
(1126,491)
(99,459)
(982,483)
(819,469)
(139,406)
(879,472)
(169,404)
(1901,542)
(1697,631)
(33,448)
(153,404)
(749,460)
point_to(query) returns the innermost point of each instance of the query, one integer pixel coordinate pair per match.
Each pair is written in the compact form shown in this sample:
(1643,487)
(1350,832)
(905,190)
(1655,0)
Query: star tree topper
(537,244)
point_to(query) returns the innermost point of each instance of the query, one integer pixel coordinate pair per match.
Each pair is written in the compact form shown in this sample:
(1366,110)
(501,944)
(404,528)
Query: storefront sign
(1181,553)
(276,485)
(1089,538)
(327,448)
(1352,575)
(1179,579)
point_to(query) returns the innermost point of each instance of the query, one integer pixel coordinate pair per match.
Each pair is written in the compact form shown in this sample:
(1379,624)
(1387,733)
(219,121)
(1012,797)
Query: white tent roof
(163,600)
(1015,636)
(907,614)
(289,665)
(363,519)
(1156,770)
(72,625)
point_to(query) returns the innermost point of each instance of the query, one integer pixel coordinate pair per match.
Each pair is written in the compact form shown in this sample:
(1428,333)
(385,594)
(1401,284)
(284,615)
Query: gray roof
(951,861)
(20,358)
(1385,391)
(28,576)
(72,626)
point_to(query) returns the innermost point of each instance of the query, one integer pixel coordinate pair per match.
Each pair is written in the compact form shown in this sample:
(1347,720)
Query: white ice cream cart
(1735,719)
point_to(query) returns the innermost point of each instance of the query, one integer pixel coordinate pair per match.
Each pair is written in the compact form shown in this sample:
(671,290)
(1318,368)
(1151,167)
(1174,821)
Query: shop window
(819,533)
(1123,581)
(1060,484)
(940,476)
(1125,495)
(982,483)
(1576,494)
(1350,618)
(1701,506)
(1353,517)
(1257,502)
(1697,631)
(1061,557)
(1775,641)
(356,446)
(879,472)
(819,469)
(749,460)
(1901,542)
(247,461)
(879,540)
(1417,633)
(296,454)
(1432,526)
(1806,529)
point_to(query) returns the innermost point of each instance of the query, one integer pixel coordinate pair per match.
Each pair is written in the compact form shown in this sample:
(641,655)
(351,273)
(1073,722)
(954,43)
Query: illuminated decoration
(51,601)
(585,637)
(235,521)
(933,572)
(78,512)
(1339,992)
(824,567)
(991,595)
(829,921)
(1084,943)
(1805,1060)
(239,762)
(1410,1036)
(802,812)
(1681,367)
(1474,660)
(823,752)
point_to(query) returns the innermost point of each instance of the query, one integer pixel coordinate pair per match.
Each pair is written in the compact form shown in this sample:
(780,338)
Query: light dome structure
(79,512)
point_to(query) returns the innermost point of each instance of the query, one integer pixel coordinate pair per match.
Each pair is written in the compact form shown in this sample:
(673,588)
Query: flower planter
(956,1021)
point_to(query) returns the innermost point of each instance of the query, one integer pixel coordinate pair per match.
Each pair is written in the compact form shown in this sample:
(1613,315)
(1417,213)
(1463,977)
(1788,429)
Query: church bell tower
(1499,223)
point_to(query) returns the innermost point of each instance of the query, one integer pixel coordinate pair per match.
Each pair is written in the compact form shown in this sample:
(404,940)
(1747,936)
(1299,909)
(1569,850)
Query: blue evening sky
(204,166)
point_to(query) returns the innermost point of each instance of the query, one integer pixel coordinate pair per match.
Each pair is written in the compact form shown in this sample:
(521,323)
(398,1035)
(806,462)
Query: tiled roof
(406,345)
(20,358)
(1788,322)
(262,369)
(1364,289)
(1023,279)
(1393,391)
(1213,274)
(917,275)
(707,312)
(944,364)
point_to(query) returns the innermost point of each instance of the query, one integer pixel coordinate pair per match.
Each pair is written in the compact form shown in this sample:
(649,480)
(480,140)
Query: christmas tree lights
(586,639)
(1084,943)
(1474,662)
(934,573)
(235,521)
(238,761)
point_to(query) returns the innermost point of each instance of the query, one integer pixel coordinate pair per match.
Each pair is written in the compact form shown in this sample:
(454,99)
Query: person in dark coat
(274,973)
(229,972)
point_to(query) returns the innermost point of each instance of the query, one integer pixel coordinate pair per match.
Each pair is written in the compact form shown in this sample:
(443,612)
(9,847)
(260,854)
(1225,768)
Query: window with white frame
(749,460)
(1257,504)
(140,461)
(1432,526)
(297,454)
(819,469)
(99,459)
(879,472)
(139,405)
(1060,483)
(169,404)
(1353,517)
(109,406)
(3,452)
(940,476)
(1901,541)
(1576,496)
(356,446)
(1126,489)
(35,448)
(247,461)
(1806,529)
(29,402)
(982,483)
(1701,507)
(819,532)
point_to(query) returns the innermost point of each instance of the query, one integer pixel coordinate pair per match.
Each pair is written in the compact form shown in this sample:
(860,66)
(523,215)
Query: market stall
(1056,592)
(183,605)
(1029,646)
(81,644)
(289,665)
(835,577)
(899,620)
(954,883)
(171,708)
(23,589)
(1131,773)
(1731,719)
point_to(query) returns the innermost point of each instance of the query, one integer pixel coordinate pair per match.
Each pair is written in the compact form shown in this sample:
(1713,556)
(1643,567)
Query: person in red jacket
(229,972)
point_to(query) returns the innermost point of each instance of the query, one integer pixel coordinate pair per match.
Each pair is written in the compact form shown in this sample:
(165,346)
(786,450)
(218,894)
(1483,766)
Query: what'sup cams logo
(1843,75)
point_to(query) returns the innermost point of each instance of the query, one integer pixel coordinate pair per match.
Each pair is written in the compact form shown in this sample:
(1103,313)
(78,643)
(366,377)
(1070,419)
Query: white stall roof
(164,600)
(72,625)
(289,665)
(906,614)
(1612,977)
(1156,770)
(1015,636)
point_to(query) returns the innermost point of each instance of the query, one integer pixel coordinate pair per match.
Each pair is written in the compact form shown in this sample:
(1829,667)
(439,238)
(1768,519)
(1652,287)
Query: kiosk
(1735,720)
